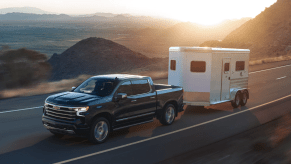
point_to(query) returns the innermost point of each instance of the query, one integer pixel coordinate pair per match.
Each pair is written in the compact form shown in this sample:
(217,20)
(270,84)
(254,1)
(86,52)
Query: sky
(206,12)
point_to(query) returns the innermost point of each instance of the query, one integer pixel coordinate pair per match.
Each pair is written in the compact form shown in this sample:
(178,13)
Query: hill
(31,10)
(155,42)
(22,68)
(191,34)
(95,56)
(34,17)
(267,35)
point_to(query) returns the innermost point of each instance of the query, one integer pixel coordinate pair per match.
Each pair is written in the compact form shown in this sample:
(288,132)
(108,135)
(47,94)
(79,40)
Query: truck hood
(72,99)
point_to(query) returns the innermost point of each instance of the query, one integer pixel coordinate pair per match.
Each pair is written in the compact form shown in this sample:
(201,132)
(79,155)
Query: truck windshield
(97,86)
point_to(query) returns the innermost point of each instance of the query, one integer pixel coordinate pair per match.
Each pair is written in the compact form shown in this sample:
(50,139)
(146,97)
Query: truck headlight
(81,111)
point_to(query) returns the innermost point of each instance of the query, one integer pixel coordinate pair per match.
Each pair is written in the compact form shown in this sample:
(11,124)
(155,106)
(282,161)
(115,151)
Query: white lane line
(270,69)
(166,134)
(20,109)
(281,77)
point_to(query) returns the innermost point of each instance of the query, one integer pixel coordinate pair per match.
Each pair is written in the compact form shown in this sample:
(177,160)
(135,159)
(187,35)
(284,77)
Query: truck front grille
(60,112)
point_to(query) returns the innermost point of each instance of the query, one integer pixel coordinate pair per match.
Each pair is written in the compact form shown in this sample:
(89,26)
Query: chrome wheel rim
(101,131)
(237,100)
(244,98)
(170,114)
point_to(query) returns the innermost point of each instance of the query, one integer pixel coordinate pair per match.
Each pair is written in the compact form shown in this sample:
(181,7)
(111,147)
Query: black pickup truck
(105,103)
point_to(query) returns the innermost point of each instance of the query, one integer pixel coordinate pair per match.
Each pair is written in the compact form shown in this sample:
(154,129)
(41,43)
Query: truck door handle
(153,97)
(133,100)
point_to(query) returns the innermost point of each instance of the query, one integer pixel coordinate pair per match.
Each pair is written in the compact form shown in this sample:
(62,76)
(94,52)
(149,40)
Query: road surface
(23,139)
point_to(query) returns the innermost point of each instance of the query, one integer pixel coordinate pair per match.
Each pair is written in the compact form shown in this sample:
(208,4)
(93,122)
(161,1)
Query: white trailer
(210,75)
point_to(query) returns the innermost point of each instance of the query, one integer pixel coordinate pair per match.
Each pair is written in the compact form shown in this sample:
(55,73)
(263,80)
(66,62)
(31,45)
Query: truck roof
(121,76)
(207,49)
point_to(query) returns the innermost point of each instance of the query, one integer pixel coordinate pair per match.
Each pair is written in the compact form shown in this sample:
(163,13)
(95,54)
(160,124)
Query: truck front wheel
(168,115)
(100,130)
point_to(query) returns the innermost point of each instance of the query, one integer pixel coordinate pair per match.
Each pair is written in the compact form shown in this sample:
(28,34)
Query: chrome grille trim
(61,106)
(72,115)
(63,112)
(53,115)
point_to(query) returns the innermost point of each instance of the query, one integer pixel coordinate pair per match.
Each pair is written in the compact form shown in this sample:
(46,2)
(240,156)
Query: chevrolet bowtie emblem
(56,107)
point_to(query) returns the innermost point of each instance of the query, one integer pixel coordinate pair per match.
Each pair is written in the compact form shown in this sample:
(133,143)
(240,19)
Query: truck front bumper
(64,128)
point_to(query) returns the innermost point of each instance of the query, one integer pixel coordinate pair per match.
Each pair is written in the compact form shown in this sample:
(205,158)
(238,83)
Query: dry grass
(44,88)
(65,85)
(270,60)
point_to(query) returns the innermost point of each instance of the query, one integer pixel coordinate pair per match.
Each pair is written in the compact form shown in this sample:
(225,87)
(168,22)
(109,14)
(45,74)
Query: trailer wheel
(169,114)
(244,98)
(235,103)
(99,131)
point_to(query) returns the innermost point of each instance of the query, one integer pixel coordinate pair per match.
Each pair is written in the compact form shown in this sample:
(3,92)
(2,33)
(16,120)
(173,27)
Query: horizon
(183,11)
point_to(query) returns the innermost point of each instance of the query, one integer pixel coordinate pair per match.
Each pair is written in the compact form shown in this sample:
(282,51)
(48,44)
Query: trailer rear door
(225,79)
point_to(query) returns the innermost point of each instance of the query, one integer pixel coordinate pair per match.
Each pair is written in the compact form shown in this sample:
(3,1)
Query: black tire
(236,102)
(99,131)
(58,135)
(168,115)
(244,98)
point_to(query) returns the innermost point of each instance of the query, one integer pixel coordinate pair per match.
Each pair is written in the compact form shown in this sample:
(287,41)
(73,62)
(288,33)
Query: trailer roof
(207,49)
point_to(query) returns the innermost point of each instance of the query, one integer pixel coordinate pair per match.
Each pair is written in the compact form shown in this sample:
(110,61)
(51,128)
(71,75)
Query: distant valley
(53,33)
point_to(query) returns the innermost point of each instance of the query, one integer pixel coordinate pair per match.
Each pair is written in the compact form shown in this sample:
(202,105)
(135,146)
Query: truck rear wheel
(235,103)
(100,130)
(244,99)
(169,114)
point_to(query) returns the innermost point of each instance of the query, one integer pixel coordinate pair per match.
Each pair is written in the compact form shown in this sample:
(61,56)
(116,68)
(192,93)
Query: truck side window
(198,66)
(125,88)
(226,67)
(140,86)
(240,66)
(173,65)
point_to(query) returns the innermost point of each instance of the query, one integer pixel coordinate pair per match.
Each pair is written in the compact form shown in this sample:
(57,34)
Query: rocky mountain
(267,35)
(95,56)
(191,34)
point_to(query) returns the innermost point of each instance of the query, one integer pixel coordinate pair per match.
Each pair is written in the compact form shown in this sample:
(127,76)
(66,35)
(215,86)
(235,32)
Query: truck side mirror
(73,88)
(120,96)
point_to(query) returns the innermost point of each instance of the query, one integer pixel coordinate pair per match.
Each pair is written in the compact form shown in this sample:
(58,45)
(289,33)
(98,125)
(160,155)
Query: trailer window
(173,65)
(198,66)
(140,86)
(226,67)
(240,66)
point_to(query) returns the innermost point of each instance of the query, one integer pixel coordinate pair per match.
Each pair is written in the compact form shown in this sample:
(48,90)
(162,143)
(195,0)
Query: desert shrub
(22,68)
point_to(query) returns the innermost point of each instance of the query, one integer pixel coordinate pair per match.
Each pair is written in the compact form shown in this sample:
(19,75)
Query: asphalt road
(23,139)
